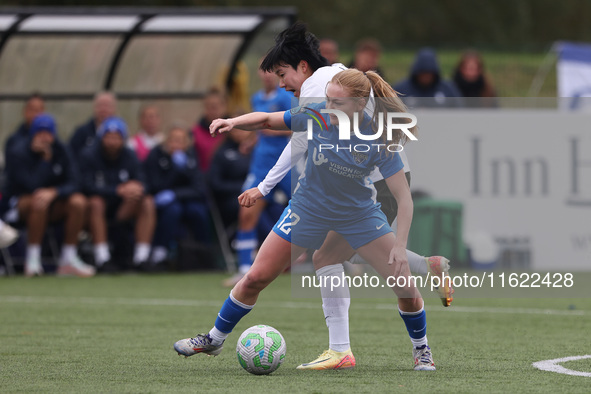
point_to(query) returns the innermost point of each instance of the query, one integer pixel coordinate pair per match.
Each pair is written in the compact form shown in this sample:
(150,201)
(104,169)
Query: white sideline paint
(286,304)
(552,366)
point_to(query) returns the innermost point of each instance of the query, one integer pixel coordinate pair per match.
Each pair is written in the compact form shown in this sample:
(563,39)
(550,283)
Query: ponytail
(373,87)
(387,100)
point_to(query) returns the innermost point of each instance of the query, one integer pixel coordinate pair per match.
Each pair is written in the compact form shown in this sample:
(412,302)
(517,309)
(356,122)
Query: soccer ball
(261,349)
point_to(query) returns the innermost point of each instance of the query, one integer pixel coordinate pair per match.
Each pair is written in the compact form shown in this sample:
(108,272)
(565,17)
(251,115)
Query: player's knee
(96,205)
(321,259)
(256,281)
(77,203)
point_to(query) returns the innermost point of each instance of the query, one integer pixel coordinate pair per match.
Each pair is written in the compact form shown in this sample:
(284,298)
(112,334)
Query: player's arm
(398,186)
(276,133)
(252,121)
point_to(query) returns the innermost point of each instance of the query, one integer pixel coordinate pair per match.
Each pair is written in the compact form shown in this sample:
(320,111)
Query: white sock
(101,254)
(335,303)
(417,343)
(159,254)
(416,263)
(1,224)
(142,252)
(34,252)
(217,337)
(68,253)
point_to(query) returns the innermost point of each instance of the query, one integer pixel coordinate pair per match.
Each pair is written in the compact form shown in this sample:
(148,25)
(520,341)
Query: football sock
(245,243)
(230,314)
(68,253)
(159,254)
(101,254)
(416,263)
(416,325)
(335,303)
(33,252)
(141,254)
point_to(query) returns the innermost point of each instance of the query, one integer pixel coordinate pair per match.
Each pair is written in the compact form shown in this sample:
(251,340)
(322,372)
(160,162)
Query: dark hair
(293,45)
(34,95)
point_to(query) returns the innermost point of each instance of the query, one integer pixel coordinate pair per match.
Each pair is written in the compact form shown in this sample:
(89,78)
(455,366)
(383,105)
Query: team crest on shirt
(123,175)
(359,157)
(297,110)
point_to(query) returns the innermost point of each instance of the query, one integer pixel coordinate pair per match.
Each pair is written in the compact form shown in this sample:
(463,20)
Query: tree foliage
(493,24)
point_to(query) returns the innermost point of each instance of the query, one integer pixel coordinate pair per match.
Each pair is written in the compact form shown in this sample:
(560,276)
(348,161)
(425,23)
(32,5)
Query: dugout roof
(69,54)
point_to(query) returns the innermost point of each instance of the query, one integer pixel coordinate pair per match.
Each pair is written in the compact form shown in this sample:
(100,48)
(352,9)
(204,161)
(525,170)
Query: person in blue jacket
(33,107)
(114,182)
(42,187)
(425,81)
(227,173)
(104,106)
(179,190)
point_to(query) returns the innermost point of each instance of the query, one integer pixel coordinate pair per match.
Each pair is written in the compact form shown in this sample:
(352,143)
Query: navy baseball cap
(113,125)
(43,122)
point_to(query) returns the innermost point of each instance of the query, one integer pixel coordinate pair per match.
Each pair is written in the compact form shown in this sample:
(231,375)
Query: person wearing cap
(114,182)
(104,106)
(42,185)
(179,190)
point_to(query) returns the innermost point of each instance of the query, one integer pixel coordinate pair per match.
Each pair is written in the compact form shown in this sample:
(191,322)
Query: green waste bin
(437,229)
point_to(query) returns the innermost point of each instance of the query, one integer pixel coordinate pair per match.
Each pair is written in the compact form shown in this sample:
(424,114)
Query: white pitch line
(286,304)
(552,366)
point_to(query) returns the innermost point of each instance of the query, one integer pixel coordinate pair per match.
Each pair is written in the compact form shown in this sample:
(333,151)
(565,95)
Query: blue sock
(416,325)
(245,243)
(230,314)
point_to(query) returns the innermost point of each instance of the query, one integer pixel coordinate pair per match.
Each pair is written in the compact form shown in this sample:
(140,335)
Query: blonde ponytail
(360,84)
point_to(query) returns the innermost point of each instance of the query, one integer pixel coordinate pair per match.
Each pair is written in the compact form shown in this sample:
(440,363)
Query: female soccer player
(325,201)
(295,58)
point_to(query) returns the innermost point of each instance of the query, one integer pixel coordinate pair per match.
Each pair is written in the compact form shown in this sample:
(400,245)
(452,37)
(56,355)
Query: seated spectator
(33,106)
(179,191)
(367,56)
(205,144)
(472,81)
(149,134)
(269,147)
(104,106)
(330,50)
(42,185)
(227,174)
(114,182)
(425,81)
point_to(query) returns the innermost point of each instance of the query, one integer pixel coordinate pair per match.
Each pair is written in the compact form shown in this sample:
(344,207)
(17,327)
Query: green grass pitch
(115,334)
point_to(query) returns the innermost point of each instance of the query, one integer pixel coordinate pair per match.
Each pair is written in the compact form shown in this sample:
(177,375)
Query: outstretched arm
(252,121)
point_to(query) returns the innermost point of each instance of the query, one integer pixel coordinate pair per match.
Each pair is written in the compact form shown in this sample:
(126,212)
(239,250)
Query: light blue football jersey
(336,184)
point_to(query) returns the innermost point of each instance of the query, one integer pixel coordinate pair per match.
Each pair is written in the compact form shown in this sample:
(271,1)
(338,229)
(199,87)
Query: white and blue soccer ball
(261,349)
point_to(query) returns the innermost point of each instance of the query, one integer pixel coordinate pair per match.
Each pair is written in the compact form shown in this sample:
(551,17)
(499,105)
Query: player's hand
(135,190)
(220,126)
(398,257)
(43,197)
(250,197)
